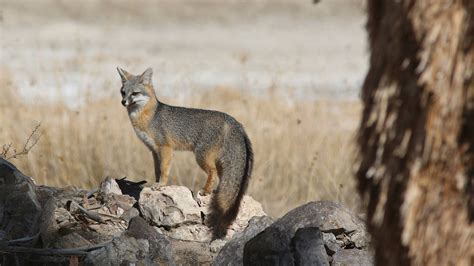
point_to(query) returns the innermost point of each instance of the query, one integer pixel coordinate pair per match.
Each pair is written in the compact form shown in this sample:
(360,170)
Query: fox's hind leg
(207,161)
(211,176)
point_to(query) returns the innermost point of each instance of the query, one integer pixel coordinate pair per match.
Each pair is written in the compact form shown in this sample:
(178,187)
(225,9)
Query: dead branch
(81,251)
(23,239)
(31,141)
(92,215)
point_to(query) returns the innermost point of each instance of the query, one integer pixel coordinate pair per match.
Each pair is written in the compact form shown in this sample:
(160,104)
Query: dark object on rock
(130,188)
(232,252)
(308,247)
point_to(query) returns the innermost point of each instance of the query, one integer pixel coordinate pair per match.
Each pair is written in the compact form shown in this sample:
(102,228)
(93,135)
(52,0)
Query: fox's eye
(135,93)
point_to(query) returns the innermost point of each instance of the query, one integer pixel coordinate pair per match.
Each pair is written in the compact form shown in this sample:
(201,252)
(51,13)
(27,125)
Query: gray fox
(219,142)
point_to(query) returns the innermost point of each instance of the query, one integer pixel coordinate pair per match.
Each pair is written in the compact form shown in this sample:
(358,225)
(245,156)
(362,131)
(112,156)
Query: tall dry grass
(303,149)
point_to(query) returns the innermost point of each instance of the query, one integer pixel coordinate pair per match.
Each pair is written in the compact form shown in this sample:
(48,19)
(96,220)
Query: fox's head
(136,90)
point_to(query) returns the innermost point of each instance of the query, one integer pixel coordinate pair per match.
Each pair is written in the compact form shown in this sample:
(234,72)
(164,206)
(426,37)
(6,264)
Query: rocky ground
(123,222)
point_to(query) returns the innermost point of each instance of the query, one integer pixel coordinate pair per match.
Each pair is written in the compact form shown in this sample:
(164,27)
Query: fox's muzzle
(124,103)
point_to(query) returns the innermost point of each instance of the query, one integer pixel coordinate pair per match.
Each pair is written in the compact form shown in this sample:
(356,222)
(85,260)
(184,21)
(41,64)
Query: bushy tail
(234,179)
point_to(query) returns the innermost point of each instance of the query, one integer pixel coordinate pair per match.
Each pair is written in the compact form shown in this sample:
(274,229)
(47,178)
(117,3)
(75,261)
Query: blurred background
(290,71)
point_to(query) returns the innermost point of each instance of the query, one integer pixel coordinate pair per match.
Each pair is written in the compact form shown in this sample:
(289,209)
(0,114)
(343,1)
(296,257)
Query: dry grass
(304,150)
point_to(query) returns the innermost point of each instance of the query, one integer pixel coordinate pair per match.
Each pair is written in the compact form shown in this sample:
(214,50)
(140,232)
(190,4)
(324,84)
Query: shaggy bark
(417,132)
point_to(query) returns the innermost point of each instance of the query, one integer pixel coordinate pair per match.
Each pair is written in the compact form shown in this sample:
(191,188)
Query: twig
(96,215)
(92,215)
(91,192)
(111,216)
(31,141)
(23,239)
(81,251)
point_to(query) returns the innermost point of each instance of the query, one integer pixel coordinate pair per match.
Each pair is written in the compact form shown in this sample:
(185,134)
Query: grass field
(277,77)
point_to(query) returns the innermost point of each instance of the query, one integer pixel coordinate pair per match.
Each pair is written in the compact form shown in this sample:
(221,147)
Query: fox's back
(185,128)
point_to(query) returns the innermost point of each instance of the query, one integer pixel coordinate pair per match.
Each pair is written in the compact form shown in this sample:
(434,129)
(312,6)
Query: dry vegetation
(206,54)
(304,149)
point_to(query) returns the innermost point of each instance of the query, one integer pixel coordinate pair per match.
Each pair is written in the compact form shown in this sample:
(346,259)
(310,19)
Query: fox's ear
(124,75)
(145,78)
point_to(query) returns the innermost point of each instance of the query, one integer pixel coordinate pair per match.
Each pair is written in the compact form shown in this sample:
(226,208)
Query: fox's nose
(124,103)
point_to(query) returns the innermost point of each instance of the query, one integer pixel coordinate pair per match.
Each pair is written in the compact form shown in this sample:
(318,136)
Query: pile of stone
(123,222)
(317,233)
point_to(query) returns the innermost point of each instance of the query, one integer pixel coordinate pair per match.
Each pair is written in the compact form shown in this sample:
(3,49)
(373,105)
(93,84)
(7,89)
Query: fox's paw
(204,193)
(157,186)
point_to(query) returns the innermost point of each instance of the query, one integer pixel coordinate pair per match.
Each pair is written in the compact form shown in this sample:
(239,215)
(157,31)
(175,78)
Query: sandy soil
(62,49)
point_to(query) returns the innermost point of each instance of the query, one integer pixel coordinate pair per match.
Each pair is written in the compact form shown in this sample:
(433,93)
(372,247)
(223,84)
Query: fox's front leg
(162,161)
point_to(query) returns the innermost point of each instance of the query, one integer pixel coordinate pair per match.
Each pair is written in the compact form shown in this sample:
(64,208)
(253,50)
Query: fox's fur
(219,142)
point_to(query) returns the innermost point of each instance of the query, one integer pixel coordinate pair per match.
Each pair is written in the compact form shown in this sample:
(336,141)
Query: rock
(353,257)
(129,214)
(169,206)
(336,222)
(328,216)
(203,201)
(48,223)
(360,239)
(232,252)
(20,209)
(122,250)
(108,186)
(72,240)
(307,247)
(328,237)
(248,208)
(140,244)
(330,243)
(217,245)
(270,247)
(183,219)
(191,232)
(160,248)
(191,252)
(117,204)
(110,220)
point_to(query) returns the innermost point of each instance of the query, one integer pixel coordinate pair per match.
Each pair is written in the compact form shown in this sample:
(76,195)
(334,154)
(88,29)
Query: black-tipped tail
(225,203)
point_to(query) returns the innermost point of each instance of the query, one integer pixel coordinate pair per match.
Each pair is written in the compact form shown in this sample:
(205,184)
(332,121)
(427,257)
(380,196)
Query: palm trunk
(416,137)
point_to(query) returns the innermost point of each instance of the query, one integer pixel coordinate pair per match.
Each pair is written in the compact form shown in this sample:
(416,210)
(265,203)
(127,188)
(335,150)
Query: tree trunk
(416,137)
